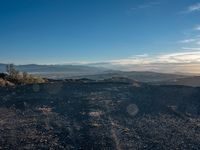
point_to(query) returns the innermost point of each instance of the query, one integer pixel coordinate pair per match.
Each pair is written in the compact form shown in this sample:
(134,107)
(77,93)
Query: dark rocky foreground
(99,115)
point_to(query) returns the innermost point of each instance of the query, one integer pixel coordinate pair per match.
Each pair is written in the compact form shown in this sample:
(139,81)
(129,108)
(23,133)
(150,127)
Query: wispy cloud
(140,56)
(188,41)
(191,48)
(194,7)
(195,41)
(179,57)
(187,61)
(146,5)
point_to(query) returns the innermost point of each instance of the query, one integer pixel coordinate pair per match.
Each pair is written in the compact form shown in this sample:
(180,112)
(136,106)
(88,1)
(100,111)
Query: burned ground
(99,115)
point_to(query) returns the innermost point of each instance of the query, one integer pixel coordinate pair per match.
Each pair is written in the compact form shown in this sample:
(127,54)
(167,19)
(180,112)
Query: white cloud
(191,48)
(128,61)
(187,61)
(179,57)
(193,8)
(140,56)
(188,41)
(191,41)
(147,5)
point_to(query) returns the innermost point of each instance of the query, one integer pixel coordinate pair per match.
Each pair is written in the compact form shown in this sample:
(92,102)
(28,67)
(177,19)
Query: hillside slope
(99,115)
(187,81)
(142,76)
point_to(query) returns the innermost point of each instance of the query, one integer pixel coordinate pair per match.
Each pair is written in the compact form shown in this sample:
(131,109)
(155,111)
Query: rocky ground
(99,115)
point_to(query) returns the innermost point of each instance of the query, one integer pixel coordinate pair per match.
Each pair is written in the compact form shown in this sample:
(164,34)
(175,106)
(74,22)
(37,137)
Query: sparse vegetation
(14,76)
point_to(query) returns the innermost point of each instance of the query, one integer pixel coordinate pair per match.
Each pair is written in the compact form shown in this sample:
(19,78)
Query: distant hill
(187,81)
(98,73)
(57,71)
(151,77)
(2,67)
(142,76)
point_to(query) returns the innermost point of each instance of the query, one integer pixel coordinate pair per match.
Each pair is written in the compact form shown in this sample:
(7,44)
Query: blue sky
(85,31)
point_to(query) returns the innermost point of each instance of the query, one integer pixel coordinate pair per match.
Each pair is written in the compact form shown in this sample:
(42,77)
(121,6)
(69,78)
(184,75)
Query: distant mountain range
(187,81)
(141,76)
(90,72)
(100,73)
(57,71)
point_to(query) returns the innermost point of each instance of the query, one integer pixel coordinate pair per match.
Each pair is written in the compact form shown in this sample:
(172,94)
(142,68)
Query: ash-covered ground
(99,115)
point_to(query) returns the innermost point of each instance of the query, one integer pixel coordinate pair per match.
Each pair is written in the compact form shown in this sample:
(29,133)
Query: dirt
(99,115)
